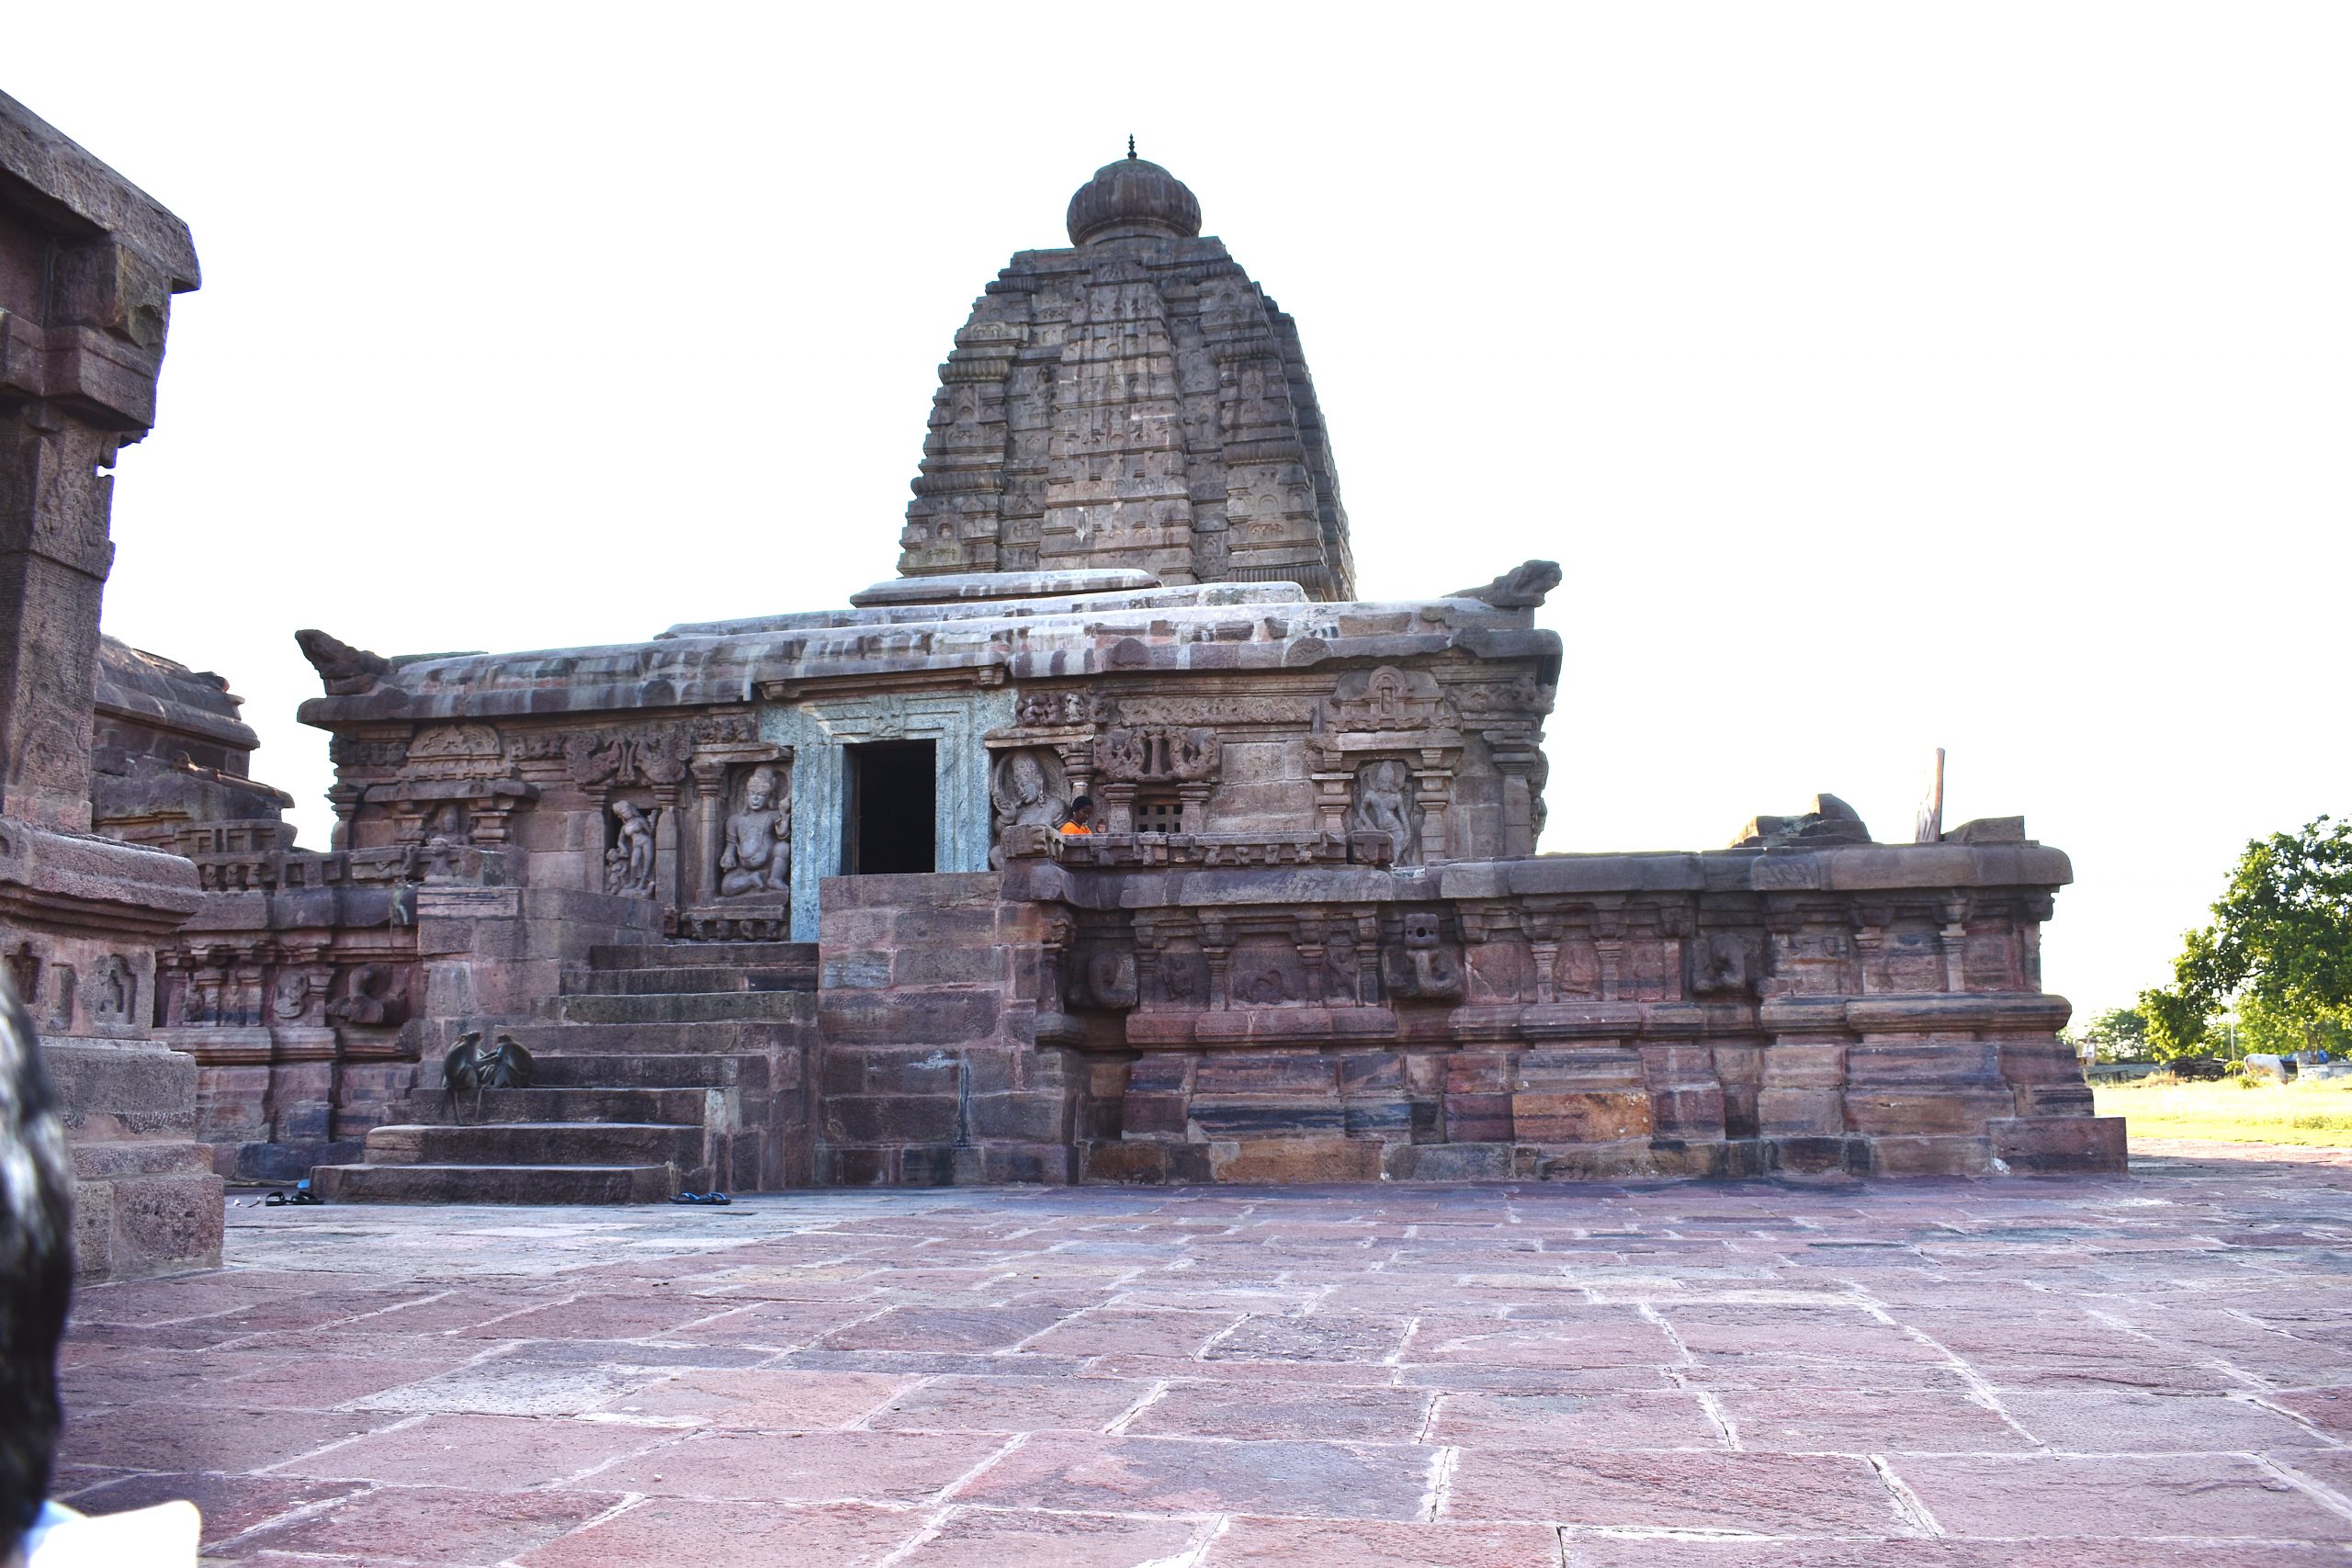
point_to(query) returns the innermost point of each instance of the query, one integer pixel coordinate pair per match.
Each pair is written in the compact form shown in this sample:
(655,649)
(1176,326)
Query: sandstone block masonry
(88,266)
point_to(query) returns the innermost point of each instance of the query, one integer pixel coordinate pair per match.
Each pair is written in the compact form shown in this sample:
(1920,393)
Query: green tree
(2279,947)
(2118,1034)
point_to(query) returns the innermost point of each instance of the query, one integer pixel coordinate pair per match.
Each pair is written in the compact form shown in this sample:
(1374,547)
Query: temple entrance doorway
(893,808)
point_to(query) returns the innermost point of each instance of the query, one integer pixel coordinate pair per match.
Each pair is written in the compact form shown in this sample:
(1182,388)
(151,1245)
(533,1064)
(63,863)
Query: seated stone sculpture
(1024,795)
(757,858)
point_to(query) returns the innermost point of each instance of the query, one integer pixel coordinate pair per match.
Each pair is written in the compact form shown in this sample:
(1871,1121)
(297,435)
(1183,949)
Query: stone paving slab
(2153,1371)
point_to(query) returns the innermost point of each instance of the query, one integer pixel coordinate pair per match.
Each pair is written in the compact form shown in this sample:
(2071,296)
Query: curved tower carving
(1133,400)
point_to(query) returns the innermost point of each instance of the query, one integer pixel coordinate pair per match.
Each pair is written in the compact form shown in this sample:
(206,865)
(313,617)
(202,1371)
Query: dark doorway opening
(893,808)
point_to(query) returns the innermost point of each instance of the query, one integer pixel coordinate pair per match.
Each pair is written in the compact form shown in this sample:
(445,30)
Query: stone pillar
(710,819)
(88,265)
(1516,756)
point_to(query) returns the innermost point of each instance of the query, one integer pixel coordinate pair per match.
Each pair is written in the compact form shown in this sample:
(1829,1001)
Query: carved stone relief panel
(1028,787)
(1906,956)
(631,849)
(1576,971)
(755,841)
(1050,710)
(113,997)
(1265,972)
(1104,977)
(1499,973)
(1389,698)
(1383,802)
(1182,977)
(373,997)
(24,974)
(1348,979)
(296,994)
(1650,970)
(455,751)
(1158,755)
(1811,961)
(1721,966)
(1990,961)
(646,754)
(62,998)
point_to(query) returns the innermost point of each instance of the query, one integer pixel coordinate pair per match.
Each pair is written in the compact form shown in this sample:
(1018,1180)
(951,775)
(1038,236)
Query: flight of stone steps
(666,1068)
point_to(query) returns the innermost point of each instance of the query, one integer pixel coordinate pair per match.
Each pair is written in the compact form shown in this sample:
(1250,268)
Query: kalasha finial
(1131,145)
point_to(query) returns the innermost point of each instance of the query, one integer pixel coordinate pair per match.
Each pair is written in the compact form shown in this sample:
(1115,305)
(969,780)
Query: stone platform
(2152,1369)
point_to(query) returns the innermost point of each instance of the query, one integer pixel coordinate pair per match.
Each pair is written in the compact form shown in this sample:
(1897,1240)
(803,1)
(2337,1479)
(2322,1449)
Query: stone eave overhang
(866,649)
(1887,871)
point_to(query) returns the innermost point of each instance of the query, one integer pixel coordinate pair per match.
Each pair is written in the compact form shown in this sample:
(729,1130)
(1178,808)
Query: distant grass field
(2316,1114)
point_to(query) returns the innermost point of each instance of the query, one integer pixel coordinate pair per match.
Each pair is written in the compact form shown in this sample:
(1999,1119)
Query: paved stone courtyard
(2145,1370)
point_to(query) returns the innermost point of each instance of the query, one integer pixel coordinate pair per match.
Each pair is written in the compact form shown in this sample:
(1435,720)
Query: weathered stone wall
(930,1071)
(1869,1008)
(88,266)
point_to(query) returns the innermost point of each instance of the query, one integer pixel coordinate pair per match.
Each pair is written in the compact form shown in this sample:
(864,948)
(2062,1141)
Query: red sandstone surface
(2153,1371)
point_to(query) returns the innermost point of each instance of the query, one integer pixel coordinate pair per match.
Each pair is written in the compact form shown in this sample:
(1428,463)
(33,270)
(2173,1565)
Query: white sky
(1883,376)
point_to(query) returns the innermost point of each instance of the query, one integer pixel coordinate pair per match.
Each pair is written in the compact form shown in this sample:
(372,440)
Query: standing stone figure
(1383,806)
(757,857)
(628,864)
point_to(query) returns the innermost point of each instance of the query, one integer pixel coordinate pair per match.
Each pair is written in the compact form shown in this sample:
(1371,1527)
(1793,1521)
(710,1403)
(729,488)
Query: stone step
(633,1070)
(495,1183)
(539,1143)
(684,1107)
(689,1007)
(704,954)
(715,1037)
(672,979)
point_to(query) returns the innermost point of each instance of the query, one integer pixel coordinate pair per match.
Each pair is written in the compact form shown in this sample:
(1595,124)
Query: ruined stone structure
(784,900)
(88,266)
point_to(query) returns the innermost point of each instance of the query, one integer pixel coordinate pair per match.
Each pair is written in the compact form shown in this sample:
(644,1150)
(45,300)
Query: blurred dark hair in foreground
(36,1269)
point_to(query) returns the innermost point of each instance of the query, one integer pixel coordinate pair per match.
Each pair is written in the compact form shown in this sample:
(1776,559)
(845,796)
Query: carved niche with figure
(755,843)
(1027,788)
(1383,803)
(629,862)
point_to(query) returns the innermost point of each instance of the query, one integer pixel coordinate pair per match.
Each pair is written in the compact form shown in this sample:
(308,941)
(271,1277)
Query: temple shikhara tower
(1134,400)
(788,900)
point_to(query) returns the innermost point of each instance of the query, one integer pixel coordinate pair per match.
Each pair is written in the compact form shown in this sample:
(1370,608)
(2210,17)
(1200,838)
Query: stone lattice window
(1159,814)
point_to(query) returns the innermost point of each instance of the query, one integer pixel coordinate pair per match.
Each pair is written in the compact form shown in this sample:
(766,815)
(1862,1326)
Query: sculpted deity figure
(1381,806)
(628,864)
(1026,792)
(757,857)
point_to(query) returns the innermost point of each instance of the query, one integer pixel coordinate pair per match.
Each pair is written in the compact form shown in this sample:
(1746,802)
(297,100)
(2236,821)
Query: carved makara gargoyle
(1419,966)
(346,670)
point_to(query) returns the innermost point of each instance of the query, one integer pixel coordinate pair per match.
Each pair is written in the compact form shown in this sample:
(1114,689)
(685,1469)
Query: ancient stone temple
(88,266)
(786,900)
